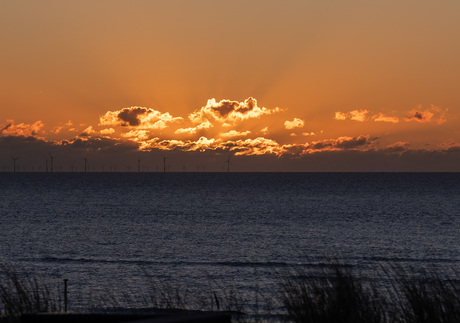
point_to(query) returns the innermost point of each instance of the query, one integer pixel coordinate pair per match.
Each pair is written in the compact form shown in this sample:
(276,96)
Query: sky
(299,85)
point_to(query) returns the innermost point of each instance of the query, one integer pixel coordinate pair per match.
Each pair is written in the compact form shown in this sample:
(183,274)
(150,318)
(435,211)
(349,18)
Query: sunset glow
(297,86)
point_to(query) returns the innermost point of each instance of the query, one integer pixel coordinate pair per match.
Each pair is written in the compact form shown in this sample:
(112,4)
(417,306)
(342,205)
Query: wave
(312,263)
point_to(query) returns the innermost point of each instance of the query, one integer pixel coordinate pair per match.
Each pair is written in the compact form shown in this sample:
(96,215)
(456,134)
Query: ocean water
(110,233)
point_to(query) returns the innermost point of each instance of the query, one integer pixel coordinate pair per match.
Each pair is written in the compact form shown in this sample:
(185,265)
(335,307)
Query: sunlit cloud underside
(225,126)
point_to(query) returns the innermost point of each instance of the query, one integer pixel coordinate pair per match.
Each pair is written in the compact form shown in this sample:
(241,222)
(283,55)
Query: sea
(115,237)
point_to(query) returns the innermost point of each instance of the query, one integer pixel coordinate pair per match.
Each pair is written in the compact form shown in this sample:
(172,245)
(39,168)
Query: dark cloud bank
(105,154)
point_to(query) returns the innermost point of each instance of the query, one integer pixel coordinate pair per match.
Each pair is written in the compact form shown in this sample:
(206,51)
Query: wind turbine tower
(14,163)
(51,158)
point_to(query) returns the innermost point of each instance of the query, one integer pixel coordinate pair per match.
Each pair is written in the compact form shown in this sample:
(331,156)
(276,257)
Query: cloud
(24,143)
(234,133)
(383,118)
(352,142)
(358,115)
(341,143)
(419,116)
(202,144)
(89,130)
(193,130)
(108,131)
(257,146)
(221,127)
(252,154)
(139,117)
(340,116)
(296,123)
(355,115)
(229,112)
(136,135)
(433,114)
(22,129)
(248,147)
(100,144)
(57,130)
(450,147)
(398,147)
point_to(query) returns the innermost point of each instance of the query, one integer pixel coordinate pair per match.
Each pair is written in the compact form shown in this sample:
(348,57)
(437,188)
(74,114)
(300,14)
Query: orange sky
(286,82)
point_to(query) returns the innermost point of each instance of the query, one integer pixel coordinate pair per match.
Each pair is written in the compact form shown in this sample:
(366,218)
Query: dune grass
(429,298)
(334,296)
(20,294)
(338,293)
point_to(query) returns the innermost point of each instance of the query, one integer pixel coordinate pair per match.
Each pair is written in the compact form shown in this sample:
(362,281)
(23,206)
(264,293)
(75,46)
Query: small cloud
(305,134)
(419,116)
(296,123)
(341,143)
(257,146)
(136,135)
(340,116)
(358,115)
(264,130)
(228,112)
(441,114)
(89,131)
(139,117)
(108,131)
(234,133)
(22,129)
(383,118)
(451,147)
(433,114)
(352,142)
(101,144)
(57,130)
(192,130)
(293,134)
(398,147)
(355,115)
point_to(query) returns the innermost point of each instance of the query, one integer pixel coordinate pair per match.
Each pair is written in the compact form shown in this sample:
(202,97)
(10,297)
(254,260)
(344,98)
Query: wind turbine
(51,158)
(86,162)
(228,164)
(14,163)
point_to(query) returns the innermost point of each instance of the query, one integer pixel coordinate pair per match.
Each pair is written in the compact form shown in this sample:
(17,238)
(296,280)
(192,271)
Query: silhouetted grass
(22,294)
(427,297)
(336,294)
(339,295)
